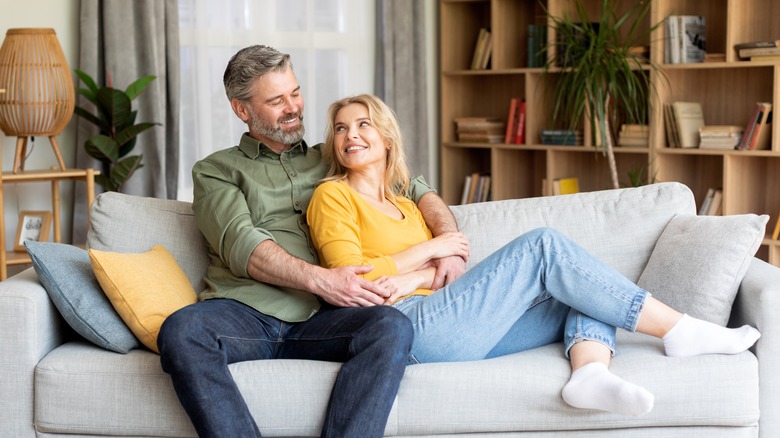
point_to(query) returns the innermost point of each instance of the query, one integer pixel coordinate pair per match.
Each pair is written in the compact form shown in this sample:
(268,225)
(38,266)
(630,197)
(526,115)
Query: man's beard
(275,132)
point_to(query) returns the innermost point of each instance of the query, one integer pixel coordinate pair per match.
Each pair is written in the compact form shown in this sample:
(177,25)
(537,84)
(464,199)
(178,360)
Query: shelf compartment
(457,162)
(715,22)
(591,167)
(517,173)
(699,172)
(461,21)
(757,181)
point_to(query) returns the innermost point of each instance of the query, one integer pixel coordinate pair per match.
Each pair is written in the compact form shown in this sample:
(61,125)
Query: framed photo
(33,225)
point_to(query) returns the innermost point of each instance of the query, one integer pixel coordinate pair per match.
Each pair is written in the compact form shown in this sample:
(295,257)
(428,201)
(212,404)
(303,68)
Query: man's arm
(440,220)
(343,287)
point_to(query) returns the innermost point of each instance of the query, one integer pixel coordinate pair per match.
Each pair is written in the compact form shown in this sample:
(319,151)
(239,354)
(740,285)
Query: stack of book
(712,204)
(633,135)
(482,50)
(480,129)
(720,136)
(537,45)
(682,121)
(758,131)
(515,122)
(768,50)
(685,39)
(476,188)
(566,137)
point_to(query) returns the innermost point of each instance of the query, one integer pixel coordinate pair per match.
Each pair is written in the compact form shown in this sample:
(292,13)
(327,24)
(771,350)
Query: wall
(62,16)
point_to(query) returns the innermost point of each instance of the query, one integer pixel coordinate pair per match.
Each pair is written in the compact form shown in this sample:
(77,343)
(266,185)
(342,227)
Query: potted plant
(601,78)
(115,119)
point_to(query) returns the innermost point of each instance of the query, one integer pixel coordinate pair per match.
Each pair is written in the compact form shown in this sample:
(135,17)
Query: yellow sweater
(348,231)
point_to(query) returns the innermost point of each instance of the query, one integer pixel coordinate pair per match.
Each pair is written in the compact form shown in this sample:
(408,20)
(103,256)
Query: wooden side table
(54,176)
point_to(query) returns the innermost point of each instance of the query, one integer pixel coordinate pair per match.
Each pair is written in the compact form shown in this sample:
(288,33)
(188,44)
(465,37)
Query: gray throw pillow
(66,273)
(699,262)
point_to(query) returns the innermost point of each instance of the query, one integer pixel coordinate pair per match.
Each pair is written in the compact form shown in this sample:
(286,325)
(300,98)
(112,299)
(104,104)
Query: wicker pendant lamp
(38,98)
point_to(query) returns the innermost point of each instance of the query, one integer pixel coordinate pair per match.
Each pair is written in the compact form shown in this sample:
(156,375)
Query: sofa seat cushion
(82,389)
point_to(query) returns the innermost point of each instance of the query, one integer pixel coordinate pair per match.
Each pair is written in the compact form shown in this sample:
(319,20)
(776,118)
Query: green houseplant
(600,78)
(115,119)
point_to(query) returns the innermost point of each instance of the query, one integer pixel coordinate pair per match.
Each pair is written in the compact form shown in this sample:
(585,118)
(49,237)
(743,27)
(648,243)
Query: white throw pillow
(698,263)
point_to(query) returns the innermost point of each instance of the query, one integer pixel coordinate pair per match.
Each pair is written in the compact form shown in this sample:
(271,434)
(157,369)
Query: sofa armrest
(758,304)
(30,327)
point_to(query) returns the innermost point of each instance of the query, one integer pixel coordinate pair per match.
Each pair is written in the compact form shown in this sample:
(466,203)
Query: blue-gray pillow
(66,273)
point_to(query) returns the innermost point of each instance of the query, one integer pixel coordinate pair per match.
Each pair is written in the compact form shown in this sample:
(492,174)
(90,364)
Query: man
(276,302)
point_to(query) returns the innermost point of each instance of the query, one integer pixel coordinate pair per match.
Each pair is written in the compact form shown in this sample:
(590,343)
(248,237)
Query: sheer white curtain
(331,43)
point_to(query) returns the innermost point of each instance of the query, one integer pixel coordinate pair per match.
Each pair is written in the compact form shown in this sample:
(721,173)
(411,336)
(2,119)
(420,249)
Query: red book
(511,121)
(520,132)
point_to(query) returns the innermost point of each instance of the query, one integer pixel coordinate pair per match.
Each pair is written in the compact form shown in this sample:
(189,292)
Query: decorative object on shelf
(38,98)
(685,39)
(605,77)
(118,131)
(33,226)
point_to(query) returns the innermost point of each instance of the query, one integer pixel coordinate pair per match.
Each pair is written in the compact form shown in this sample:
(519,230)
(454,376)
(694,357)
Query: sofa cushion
(133,224)
(620,227)
(143,288)
(699,261)
(66,273)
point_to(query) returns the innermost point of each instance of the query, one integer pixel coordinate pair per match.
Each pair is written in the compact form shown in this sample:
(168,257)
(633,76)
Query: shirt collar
(253,147)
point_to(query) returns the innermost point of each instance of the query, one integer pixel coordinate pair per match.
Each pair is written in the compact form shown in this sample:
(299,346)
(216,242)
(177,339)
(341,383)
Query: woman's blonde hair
(386,123)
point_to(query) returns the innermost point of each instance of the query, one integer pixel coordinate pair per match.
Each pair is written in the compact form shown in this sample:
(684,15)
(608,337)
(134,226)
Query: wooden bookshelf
(727,91)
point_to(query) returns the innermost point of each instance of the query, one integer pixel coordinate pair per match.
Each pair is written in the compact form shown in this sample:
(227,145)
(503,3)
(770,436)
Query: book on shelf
(566,137)
(685,39)
(633,135)
(757,44)
(537,45)
(712,205)
(480,129)
(515,122)
(566,186)
(683,120)
(769,58)
(724,137)
(759,51)
(757,133)
(482,50)
(476,188)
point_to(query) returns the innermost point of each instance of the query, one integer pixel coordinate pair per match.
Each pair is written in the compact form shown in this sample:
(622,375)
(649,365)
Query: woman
(538,289)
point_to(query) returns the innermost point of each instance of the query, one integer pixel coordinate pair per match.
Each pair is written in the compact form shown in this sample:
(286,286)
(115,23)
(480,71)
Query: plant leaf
(88,81)
(102,147)
(130,133)
(137,87)
(105,182)
(87,115)
(114,105)
(88,94)
(124,169)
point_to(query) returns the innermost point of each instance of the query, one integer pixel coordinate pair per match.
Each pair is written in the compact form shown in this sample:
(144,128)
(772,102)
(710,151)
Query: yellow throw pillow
(143,288)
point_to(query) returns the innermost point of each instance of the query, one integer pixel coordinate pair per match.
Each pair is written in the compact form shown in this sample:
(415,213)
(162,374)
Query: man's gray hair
(249,64)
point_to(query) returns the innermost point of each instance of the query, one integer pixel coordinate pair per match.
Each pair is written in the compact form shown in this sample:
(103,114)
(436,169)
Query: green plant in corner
(115,119)
(601,78)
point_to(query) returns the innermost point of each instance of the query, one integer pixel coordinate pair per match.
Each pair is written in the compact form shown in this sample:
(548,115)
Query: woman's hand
(448,245)
(404,284)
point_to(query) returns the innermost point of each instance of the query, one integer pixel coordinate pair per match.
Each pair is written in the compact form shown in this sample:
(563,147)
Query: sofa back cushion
(620,227)
(134,224)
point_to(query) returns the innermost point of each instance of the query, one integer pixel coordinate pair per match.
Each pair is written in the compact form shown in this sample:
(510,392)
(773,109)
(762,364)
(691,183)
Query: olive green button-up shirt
(247,194)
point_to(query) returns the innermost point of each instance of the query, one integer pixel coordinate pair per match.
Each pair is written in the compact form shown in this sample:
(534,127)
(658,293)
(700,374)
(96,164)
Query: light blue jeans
(538,289)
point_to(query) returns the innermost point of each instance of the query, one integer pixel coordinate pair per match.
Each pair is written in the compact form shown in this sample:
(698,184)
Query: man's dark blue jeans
(199,341)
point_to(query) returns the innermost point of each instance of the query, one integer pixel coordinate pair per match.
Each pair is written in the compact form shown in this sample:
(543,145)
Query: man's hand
(448,269)
(345,288)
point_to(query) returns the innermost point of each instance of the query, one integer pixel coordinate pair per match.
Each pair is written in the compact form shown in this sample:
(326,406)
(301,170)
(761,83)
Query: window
(331,43)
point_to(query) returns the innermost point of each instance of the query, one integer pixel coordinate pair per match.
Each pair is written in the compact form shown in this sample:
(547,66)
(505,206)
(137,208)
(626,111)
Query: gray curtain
(400,73)
(127,40)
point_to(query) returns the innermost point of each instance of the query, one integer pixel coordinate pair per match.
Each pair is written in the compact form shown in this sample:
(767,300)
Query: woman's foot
(692,337)
(592,386)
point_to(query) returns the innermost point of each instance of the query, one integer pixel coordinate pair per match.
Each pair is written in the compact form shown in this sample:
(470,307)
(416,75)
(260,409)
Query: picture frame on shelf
(33,225)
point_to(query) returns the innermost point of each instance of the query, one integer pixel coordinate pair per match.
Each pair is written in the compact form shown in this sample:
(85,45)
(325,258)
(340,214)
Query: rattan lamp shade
(39,97)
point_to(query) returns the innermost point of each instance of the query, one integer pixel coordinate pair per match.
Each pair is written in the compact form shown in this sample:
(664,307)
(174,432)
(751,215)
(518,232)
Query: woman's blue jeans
(538,289)
(199,341)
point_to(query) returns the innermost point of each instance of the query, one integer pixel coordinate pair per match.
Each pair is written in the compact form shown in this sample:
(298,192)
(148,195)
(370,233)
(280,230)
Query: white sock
(692,337)
(592,386)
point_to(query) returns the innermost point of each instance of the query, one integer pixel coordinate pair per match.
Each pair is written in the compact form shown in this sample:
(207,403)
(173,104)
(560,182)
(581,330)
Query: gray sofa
(53,383)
